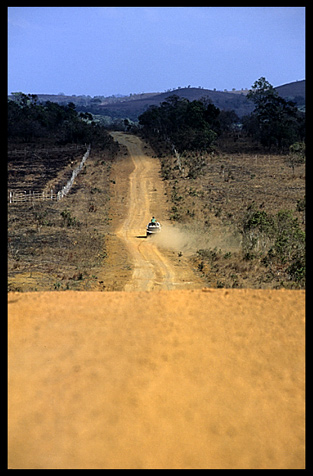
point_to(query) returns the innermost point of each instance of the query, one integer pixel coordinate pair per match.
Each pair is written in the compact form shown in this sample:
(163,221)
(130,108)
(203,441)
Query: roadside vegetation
(243,184)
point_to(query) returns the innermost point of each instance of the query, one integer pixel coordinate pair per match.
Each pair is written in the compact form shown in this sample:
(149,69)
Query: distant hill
(293,92)
(224,100)
(135,104)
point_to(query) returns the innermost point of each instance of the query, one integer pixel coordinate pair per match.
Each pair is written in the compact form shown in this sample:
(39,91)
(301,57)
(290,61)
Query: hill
(119,107)
(292,90)
(225,100)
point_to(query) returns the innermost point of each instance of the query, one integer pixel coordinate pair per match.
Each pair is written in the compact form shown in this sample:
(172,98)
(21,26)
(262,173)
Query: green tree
(183,124)
(278,121)
(227,119)
(260,91)
(28,120)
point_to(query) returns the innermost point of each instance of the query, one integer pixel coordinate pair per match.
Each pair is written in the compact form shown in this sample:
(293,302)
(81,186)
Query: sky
(126,50)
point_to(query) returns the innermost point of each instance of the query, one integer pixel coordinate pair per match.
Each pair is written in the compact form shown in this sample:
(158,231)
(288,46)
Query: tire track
(152,269)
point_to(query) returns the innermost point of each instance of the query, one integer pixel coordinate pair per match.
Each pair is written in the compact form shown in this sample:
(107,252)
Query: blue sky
(123,50)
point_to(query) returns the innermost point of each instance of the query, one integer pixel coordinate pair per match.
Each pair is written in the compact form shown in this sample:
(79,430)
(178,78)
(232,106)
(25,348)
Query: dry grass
(210,208)
(62,245)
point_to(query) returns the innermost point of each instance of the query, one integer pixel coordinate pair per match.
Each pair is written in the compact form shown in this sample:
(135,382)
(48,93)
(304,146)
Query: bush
(297,270)
(290,239)
(279,240)
(68,219)
(296,155)
(258,229)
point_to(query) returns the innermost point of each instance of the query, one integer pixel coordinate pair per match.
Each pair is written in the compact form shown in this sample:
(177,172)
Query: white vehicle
(153,227)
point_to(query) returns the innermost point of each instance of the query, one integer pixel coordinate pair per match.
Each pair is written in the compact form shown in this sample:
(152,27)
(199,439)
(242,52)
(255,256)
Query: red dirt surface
(165,374)
(164,379)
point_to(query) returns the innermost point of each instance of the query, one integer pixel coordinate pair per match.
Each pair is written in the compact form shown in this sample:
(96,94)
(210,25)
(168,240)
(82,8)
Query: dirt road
(165,379)
(153,269)
(174,378)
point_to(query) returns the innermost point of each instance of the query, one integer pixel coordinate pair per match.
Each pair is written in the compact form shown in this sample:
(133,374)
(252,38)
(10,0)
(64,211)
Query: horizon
(105,51)
(148,92)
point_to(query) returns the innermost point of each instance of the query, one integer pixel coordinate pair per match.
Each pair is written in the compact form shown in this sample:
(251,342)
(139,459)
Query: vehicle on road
(153,228)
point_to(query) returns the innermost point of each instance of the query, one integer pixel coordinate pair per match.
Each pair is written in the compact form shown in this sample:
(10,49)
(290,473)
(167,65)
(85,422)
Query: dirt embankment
(175,378)
(168,379)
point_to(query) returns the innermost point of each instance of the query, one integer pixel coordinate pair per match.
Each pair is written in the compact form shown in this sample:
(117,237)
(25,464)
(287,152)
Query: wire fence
(31,195)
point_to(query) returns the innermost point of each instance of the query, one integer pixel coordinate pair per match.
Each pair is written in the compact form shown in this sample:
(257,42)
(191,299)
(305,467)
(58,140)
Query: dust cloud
(189,240)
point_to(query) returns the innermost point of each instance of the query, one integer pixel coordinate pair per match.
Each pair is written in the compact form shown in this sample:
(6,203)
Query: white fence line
(15,197)
(75,172)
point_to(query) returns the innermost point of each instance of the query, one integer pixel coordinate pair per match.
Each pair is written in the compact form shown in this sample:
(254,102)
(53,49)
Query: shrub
(281,238)
(258,228)
(296,155)
(290,239)
(68,219)
(297,270)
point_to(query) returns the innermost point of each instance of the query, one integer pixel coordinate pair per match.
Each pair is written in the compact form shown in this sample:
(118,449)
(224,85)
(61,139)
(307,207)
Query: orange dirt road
(165,379)
(171,379)
(153,270)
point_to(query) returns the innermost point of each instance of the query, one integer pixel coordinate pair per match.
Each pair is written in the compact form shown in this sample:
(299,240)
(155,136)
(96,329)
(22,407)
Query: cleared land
(175,378)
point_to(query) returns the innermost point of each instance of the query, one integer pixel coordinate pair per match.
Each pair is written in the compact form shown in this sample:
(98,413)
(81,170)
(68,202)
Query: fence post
(32,195)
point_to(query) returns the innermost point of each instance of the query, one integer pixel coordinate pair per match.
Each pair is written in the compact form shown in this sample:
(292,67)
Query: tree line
(29,120)
(183,124)
(177,122)
(274,123)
